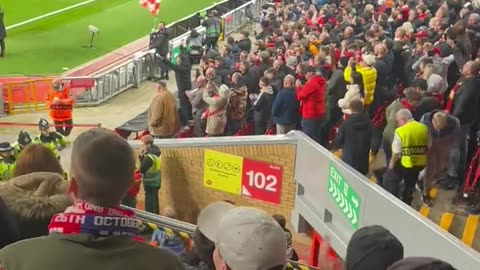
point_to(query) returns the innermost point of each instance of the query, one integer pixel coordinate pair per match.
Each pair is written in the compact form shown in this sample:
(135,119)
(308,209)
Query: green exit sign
(344,196)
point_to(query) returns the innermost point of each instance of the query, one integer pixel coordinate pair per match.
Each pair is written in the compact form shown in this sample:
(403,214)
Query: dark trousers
(2,47)
(199,124)
(129,201)
(313,128)
(164,67)
(211,43)
(151,199)
(393,178)
(64,130)
(233,126)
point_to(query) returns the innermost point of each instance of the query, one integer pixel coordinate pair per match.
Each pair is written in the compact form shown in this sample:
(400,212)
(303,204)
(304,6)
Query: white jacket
(353,92)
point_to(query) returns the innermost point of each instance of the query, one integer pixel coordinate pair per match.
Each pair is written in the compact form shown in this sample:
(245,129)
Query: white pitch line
(50,14)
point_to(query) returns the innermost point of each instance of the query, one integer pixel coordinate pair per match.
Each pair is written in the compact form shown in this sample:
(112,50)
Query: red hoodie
(312,97)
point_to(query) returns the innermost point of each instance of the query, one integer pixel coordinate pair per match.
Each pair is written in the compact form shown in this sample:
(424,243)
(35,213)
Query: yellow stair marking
(470,229)
(424,210)
(446,221)
(433,193)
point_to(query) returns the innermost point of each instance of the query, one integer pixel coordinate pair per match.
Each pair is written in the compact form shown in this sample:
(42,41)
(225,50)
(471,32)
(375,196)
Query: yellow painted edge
(153,226)
(184,235)
(446,221)
(470,229)
(424,210)
(373,179)
(168,230)
(433,193)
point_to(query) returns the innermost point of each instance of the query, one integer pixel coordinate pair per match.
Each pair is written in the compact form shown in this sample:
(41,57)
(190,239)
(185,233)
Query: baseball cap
(246,238)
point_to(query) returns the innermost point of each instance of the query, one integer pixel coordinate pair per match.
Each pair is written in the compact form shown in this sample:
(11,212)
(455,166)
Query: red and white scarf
(99,221)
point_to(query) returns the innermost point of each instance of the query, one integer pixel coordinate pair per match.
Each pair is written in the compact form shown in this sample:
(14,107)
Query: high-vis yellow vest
(153,177)
(414,138)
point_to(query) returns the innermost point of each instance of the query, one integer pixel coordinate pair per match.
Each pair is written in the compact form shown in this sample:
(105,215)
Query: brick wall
(182,179)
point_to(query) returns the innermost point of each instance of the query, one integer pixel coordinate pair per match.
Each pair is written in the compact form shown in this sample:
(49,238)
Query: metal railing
(316,207)
(96,89)
(143,65)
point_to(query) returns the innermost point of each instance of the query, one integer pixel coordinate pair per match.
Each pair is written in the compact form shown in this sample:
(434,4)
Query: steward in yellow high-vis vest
(414,138)
(150,166)
(409,156)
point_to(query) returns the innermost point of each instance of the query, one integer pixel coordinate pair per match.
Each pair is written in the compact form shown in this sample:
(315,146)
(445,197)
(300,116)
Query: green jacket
(82,252)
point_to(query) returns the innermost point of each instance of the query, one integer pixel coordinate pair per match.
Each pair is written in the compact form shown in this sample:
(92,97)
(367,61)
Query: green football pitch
(54,43)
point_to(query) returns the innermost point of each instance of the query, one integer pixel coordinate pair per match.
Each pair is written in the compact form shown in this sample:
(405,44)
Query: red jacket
(312,98)
(135,188)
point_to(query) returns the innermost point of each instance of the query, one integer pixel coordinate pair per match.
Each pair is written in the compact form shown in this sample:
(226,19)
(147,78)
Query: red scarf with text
(99,221)
(449,104)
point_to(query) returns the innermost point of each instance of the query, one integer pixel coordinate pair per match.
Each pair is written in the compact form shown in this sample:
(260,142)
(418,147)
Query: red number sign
(261,181)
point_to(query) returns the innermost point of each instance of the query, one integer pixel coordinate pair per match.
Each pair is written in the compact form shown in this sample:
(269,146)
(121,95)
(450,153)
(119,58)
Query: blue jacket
(451,129)
(285,108)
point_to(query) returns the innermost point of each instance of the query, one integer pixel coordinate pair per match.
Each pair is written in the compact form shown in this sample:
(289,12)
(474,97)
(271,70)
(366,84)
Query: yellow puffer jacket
(369,75)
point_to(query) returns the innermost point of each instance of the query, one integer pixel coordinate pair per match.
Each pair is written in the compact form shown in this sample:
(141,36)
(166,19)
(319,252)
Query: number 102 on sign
(261,181)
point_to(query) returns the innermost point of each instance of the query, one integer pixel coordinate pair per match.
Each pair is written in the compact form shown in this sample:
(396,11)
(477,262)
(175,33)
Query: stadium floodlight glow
(93,30)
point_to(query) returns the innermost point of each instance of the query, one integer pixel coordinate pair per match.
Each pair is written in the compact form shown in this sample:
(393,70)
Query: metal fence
(143,65)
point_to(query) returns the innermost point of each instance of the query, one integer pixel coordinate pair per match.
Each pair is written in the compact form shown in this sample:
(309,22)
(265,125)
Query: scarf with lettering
(449,104)
(99,221)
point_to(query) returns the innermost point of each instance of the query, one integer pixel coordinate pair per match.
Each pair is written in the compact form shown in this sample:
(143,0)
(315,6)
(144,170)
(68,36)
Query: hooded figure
(33,199)
(421,263)
(373,247)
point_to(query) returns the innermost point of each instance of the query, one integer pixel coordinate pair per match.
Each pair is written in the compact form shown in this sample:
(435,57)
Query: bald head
(102,167)
(210,73)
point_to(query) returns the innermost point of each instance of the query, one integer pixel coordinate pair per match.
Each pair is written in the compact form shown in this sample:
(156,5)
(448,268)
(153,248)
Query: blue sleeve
(277,103)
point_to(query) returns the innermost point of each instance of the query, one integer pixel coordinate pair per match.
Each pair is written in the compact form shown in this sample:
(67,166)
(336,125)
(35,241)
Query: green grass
(18,11)
(47,46)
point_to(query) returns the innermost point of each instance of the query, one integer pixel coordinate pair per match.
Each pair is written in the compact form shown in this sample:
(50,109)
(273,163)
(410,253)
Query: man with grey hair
(409,155)
(285,107)
(198,106)
(162,113)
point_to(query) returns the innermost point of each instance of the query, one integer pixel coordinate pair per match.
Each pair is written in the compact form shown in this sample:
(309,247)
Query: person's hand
(351,61)
(325,262)
(188,93)
(391,165)
(298,83)
(252,96)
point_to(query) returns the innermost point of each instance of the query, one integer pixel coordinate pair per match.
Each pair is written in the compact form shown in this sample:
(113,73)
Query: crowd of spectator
(335,69)
(356,70)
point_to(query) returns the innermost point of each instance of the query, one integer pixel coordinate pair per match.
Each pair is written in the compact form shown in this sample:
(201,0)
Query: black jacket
(183,74)
(8,232)
(354,136)
(251,79)
(263,107)
(245,45)
(160,42)
(425,105)
(3,31)
(466,101)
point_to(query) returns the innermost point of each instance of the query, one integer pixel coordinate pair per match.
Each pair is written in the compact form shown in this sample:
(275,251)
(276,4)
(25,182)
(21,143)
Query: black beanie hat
(372,247)
(421,263)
